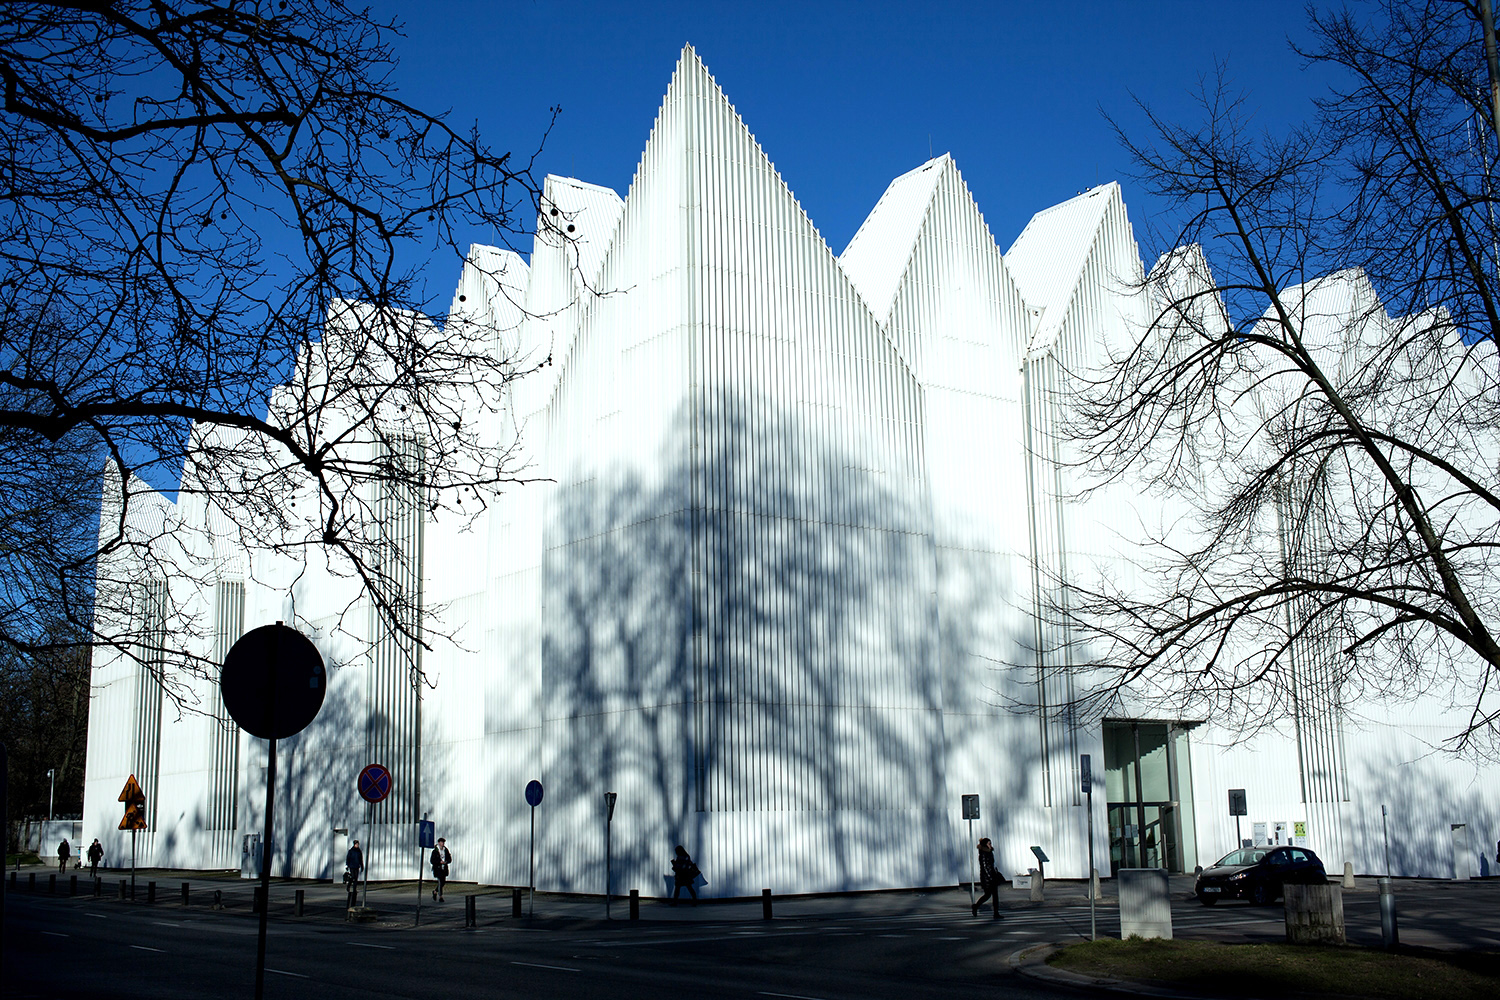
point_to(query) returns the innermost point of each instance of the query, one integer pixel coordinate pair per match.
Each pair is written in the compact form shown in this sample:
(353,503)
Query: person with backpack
(989,879)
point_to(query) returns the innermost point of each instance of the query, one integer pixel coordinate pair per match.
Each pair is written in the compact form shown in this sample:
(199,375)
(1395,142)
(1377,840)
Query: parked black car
(1258,874)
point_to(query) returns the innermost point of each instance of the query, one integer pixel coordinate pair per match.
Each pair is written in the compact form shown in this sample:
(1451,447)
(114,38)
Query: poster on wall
(1258,833)
(1281,834)
(1299,833)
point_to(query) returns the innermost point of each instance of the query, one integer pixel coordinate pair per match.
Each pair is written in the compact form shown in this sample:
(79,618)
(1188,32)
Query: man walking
(96,855)
(354,862)
(441,859)
(64,852)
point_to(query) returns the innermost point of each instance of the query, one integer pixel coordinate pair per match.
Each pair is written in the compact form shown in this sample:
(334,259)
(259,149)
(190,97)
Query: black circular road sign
(273,682)
(533,793)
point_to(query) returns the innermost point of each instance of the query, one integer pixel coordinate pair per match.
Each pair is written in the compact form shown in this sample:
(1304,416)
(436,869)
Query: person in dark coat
(441,859)
(989,879)
(64,852)
(96,855)
(354,863)
(683,874)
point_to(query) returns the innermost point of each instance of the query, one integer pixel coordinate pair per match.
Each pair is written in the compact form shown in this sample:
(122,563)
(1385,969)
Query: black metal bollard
(765,904)
(469,917)
(297,902)
(72,885)
(150,892)
(218,903)
(12,879)
(1390,934)
(635,904)
(52,883)
(124,888)
(515,902)
(31,881)
(259,901)
(184,894)
(98,886)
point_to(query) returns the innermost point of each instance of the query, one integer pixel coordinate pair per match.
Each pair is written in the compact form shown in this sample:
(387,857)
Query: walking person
(441,859)
(64,852)
(989,879)
(96,855)
(354,862)
(684,874)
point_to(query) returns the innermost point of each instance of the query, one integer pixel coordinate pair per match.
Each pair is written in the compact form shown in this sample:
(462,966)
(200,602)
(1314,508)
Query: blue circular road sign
(533,793)
(374,783)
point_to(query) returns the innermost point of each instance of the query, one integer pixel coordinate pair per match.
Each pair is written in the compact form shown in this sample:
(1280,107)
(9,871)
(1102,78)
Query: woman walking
(989,879)
(684,872)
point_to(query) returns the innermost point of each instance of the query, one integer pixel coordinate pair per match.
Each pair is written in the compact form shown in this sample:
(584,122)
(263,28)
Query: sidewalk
(396,902)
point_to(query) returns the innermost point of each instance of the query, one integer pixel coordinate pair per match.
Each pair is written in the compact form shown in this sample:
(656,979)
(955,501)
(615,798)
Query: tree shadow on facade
(744,647)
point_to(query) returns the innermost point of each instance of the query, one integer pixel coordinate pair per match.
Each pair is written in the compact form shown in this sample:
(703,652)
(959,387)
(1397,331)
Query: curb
(1031,962)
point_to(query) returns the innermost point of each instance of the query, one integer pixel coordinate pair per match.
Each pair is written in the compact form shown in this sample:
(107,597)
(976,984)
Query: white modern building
(783,583)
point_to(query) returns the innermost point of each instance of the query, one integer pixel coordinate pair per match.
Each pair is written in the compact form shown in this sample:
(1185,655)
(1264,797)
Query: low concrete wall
(1145,903)
(1314,914)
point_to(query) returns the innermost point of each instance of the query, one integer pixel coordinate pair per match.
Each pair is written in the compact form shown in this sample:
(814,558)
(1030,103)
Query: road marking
(282,972)
(54,934)
(99,915)
(361,944)
(141,947)
(555,968)
(166,923)
(793,996)
(952,939)
(893,935)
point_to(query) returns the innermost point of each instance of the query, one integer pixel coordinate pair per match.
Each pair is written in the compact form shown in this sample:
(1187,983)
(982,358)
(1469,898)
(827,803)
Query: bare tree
(1315,396)
(202,200)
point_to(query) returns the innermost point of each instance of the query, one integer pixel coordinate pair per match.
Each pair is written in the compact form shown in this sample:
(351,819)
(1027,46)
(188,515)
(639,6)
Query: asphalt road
(876,945)
(56,947)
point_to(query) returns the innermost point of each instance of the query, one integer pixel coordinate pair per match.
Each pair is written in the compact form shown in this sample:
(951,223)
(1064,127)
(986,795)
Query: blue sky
(845,96)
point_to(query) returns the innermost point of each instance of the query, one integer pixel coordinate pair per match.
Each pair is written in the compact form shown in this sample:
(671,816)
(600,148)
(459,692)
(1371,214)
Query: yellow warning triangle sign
(132,791)
(135,805)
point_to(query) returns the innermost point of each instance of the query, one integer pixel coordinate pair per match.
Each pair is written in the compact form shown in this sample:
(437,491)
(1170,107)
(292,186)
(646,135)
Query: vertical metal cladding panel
(224,735)
(393,725)
(149,691)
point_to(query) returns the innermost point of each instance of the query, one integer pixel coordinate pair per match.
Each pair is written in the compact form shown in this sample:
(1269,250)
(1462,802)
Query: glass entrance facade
(1149,783)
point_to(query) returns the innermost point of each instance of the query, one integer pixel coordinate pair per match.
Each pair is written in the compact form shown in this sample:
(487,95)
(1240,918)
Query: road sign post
(1086,783)
(533,799)
(133,820)
(374,784)
(426,831)
(971,813)
(272,684)
(609,817)
(1238,807)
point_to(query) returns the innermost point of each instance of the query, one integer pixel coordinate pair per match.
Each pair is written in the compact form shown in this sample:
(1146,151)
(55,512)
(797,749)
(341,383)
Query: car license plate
(1211,888)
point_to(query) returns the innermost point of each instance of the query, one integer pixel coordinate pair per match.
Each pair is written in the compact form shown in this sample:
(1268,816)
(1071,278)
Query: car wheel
(1260,894)
(1208,900)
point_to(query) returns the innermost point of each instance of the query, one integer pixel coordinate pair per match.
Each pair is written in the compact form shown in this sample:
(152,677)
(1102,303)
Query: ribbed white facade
(786,583)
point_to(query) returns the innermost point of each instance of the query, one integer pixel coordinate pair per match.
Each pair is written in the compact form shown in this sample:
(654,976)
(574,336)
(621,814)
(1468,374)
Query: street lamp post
(51,790)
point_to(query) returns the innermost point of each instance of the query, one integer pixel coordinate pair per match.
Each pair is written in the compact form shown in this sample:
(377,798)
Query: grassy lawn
(29,858)
(1272,969)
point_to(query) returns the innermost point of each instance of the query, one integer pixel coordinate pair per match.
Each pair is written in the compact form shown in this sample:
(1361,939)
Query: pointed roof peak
(877,256)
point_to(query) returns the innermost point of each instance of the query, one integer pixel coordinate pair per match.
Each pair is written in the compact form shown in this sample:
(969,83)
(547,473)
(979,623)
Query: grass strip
(1279,969)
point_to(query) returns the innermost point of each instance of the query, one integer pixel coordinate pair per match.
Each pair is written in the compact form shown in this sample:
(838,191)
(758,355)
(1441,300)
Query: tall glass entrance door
(1148,780)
